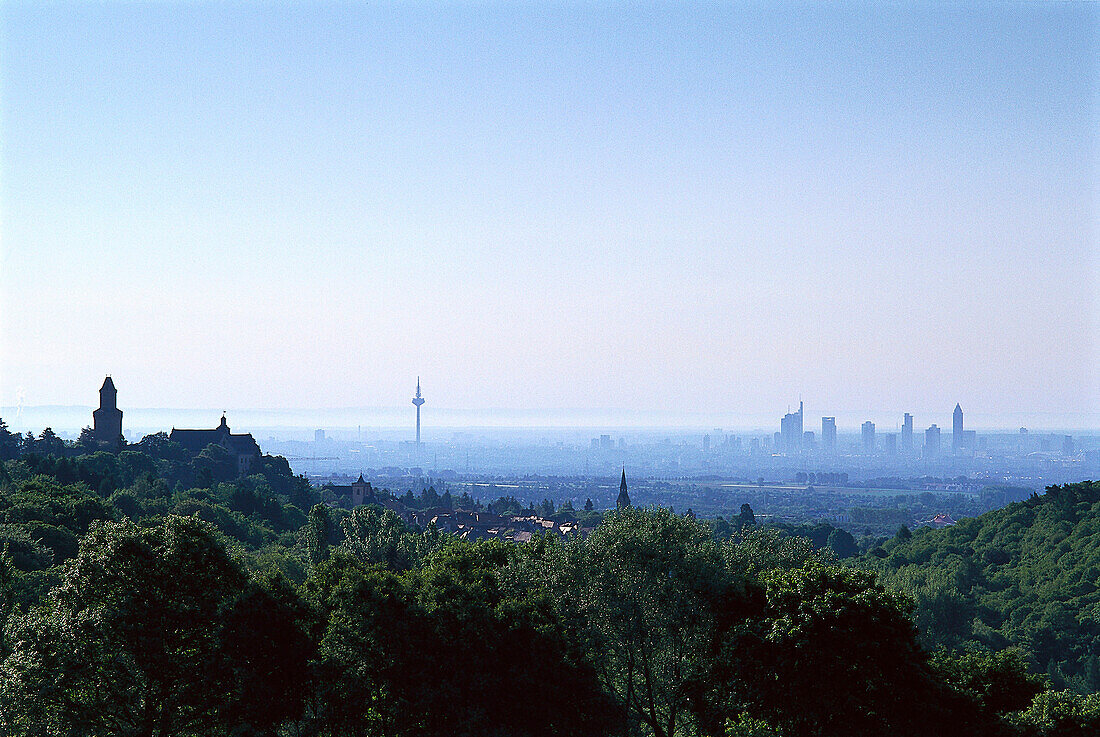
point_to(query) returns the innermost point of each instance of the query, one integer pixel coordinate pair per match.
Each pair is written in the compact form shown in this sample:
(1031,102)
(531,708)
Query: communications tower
(418,401)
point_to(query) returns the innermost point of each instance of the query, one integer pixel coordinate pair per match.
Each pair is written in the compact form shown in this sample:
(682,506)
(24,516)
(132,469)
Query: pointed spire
(624,498)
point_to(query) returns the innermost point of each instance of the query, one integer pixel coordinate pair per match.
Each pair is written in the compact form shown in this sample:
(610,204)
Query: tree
(318,533)
(842,543)
(49,444)
(142,637)
(588,505)
(377,535)
(746,518)
(835,653)
(647,584)
(9,442)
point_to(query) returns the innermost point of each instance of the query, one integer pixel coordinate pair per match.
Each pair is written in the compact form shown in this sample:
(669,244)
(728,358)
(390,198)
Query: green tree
(134,639)
(647,585)
(842,544)
(746,518)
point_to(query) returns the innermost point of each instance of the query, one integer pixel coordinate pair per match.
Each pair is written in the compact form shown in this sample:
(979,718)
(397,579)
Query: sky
(673,209)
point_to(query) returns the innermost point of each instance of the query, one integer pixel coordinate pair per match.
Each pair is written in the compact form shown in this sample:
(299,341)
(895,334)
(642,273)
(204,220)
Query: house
(242,446)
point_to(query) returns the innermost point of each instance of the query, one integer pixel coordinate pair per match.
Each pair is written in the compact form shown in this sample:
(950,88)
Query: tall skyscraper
(957,429)
(107,420)
(907,434)
(932,442)
(790,428)
(419,402)
(828,434)
(868,431)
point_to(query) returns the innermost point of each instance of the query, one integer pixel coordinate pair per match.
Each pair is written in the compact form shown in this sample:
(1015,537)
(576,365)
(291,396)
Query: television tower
(418,401)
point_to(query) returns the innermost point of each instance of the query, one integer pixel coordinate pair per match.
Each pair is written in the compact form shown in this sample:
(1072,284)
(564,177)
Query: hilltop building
(107,420)
(241,445)
(360,491)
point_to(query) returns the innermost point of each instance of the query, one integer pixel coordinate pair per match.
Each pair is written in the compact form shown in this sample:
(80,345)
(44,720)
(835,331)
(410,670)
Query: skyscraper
(907,434)
(419,402)
(868,437)
(957,429)
(828,434)
(107,420)
(932,442)
(790,428)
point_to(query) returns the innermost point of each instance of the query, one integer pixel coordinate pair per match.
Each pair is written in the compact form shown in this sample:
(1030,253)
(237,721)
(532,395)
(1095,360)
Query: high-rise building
(419,402)
(907,434)
(790,430)
(890,444)
(828,434)
(868,432)
(107,420)
(932,442)
(957,441)
(809,441)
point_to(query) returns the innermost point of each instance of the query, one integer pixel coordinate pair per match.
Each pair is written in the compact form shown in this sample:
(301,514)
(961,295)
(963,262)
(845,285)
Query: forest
(153,592)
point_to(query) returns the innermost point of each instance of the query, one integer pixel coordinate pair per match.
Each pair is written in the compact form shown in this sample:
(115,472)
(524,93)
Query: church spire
(624,499)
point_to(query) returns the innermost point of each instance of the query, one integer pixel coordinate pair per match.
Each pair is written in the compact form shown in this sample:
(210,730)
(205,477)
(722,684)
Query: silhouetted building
(318,436)
(790,430)
(932,442)
(868,433)
(624,499)
(828,434)
(605,442)
(240,445)
(890,444)
(809,440)
(107,420)
(957,429)
(1067,445)
(907,434)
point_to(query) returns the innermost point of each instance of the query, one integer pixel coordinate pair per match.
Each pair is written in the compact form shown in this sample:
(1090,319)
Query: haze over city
(588,215)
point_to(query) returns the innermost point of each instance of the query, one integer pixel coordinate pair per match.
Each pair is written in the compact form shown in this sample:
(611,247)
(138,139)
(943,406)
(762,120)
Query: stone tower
(107,420)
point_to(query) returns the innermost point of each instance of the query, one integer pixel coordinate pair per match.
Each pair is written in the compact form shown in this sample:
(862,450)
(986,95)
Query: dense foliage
(1025,576)
(150,592)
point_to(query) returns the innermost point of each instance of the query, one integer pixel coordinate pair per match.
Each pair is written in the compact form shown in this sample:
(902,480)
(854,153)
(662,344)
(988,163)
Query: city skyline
(791,435)
(658,211)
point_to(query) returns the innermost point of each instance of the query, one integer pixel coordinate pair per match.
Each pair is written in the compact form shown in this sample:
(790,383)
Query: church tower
(624,499)
(107,420)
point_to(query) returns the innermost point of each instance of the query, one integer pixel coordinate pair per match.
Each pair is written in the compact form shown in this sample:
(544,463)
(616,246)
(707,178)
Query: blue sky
(647,207)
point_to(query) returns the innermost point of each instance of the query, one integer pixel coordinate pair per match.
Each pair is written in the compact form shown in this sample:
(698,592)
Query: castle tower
(107,420)
(419,402)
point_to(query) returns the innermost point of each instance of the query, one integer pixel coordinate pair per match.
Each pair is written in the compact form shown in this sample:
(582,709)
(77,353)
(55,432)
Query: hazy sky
(650,208)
